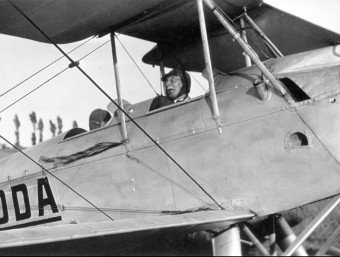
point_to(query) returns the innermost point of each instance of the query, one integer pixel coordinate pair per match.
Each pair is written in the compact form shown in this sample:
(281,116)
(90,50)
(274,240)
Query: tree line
(38,128)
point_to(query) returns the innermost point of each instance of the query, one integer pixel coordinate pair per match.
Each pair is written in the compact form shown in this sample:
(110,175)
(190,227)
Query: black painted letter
(27,214)
(5,217)
(43,183)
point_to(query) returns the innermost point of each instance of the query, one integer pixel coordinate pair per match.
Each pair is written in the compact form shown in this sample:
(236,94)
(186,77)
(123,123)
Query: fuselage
(271,156)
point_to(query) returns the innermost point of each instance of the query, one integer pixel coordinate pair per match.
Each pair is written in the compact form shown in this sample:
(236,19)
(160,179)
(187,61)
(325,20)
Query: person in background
(177,85)
(99,118)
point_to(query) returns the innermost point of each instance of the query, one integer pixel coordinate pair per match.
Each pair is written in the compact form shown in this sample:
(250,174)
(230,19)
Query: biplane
(263,140)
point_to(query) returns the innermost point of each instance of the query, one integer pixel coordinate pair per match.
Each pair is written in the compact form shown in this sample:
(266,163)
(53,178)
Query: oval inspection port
(298,140)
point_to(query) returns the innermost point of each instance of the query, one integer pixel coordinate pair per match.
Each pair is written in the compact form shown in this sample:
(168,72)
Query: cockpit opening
(99,118)
(295,91)
(74,132)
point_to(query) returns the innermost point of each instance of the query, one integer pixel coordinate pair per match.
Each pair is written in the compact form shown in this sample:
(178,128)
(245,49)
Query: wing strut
(267,41)
(313,226)
(117,105)
(118,86)
(247,49)
(162,70)
(208,65)
(245,38)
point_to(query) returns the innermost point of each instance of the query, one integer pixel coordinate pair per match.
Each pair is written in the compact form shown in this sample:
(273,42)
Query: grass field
(304,216)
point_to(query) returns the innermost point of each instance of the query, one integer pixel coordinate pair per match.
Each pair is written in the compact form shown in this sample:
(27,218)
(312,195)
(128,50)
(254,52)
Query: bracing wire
(141,211)
(96,49)
(32,91)
(137,66)
(197,81)
(50,79)
(61,181)
(240,30)
(44,68)
(75,64)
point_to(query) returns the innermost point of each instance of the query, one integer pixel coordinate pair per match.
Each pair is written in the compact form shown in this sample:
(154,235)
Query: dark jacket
(159,102)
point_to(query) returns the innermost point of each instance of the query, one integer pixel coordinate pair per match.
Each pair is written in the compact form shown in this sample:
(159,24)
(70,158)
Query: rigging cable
(117,105)
(53,77)
(239,30)
(96,49)
(137,66)
(34,90)
(141,211)
(44,169)
(201,86)
(49,65)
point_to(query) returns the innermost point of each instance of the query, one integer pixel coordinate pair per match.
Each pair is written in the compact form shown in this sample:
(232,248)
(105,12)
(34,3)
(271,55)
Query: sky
(73,98)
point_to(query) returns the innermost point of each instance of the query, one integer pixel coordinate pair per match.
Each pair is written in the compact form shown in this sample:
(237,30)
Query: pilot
(177,85)
(99,118)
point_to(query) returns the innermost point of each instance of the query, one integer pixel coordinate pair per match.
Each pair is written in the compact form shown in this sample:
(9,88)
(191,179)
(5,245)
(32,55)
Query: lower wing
(198,221)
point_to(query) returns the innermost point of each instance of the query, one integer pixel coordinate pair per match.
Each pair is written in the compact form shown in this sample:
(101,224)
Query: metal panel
(324,121)
(18,165)
(248,167)
(176,120)
(123,187)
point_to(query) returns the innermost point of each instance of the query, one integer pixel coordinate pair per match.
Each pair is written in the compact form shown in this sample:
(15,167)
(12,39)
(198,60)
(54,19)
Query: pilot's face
(174,87)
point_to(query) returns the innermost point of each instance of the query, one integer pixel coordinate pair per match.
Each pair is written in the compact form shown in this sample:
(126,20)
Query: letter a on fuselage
(43,184)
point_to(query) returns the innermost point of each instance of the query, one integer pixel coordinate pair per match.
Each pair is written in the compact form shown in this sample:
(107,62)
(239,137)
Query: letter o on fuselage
(18,214)
(4,219)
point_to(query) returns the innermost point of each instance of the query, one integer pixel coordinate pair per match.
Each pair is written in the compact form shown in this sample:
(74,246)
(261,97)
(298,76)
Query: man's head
(99,118)
(177,83)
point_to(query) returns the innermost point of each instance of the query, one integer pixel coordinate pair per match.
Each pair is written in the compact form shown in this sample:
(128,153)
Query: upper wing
(289,33)
(198,221)
(69,21)
(173,24)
